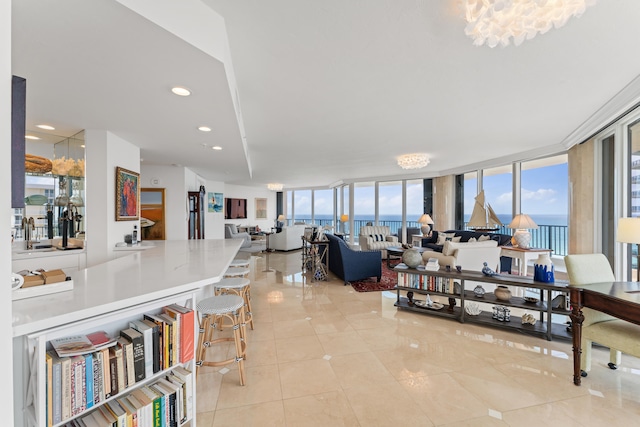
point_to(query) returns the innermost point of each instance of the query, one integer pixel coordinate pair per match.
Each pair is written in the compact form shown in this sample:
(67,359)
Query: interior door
(152,220)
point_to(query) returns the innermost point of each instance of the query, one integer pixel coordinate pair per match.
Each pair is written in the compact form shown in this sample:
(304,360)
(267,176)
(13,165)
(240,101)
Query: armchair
(618,335)
(231,232)
(348,264)
(376,237)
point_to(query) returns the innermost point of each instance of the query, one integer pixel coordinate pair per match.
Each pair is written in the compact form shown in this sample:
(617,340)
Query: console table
(451,285)
(618,299)
(315,258)
(523,256)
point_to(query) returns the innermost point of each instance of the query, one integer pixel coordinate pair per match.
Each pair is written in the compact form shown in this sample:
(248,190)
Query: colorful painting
(215,202)
(127,195)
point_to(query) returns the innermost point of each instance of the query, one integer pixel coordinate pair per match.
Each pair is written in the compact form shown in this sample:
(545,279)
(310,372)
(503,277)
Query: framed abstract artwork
(127,195)
(261,208)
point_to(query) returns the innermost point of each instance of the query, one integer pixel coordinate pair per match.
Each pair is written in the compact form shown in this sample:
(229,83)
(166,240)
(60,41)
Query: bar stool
(237,272)
(239,263)
(240,286)
(214,309)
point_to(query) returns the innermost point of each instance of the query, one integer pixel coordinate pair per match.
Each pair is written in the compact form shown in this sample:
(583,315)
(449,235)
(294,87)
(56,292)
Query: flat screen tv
(235,208)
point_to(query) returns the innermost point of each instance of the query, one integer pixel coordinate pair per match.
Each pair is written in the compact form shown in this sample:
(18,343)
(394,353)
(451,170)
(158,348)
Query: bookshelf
(456,289)
(108,297)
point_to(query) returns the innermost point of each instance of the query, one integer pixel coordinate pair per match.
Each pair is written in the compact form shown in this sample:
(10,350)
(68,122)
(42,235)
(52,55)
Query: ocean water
(505,218)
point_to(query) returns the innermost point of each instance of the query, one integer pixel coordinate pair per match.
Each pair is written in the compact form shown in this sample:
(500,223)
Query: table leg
(576,329)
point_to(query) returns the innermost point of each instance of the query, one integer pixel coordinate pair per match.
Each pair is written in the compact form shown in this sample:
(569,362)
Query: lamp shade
(281,218)
(425,219)
(628,230)
(344,217)
(522,221)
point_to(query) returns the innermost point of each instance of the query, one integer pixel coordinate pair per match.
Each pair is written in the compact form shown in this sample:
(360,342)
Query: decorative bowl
(472,309)
(531,299)
(502,293)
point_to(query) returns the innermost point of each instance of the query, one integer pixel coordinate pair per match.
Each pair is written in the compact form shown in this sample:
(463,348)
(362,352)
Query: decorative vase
(412,258)
(478,291)
(502,293)
(543,269)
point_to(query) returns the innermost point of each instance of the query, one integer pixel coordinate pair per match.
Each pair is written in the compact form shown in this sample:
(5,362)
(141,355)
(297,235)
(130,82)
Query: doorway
(152,220)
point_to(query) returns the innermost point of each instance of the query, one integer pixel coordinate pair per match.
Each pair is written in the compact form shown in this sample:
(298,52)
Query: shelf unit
(458,295)
(38,343)
(315,258)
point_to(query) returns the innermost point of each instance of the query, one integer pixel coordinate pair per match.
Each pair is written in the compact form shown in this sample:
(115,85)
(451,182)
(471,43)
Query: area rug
(387,282)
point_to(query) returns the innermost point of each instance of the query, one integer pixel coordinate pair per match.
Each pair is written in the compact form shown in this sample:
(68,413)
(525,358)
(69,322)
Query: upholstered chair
(618,335)
(376,237)
(231,232)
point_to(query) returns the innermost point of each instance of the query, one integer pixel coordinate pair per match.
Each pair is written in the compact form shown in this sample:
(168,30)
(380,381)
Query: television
(235,208)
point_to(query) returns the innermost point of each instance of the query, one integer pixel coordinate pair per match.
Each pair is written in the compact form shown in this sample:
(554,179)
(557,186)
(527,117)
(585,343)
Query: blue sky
(544,192)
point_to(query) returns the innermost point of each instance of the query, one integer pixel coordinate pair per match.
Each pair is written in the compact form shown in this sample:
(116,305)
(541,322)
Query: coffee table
(397,251)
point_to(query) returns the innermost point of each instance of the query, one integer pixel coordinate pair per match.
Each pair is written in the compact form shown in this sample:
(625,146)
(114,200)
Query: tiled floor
(322,354)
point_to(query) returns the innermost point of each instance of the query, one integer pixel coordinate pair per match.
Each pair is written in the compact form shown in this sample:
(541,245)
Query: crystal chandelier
(413,161)
(498,21)
(275,187)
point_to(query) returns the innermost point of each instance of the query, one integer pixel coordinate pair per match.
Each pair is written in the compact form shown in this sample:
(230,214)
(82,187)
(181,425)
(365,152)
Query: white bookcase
(112,322)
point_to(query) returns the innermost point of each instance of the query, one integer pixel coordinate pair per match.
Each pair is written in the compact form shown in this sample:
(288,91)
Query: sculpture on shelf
(412,258)
(487,271)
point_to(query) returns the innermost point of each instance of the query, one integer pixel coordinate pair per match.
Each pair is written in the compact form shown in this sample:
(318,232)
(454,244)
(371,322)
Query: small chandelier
(275,187)
(498,21)
(413,161)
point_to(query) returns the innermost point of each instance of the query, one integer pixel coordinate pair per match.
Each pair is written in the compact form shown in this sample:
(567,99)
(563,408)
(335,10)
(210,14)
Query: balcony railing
(554,237)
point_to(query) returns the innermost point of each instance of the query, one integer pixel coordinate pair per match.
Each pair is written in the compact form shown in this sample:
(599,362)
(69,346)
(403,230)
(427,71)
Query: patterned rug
(387,282)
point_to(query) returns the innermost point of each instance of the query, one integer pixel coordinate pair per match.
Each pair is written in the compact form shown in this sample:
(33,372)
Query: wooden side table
(522,256)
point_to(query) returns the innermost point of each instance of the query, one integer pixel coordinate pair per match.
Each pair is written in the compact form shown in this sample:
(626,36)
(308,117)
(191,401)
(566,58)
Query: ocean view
(506,219)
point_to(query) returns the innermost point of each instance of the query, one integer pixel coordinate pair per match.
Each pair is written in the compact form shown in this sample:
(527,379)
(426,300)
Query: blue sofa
(348,264)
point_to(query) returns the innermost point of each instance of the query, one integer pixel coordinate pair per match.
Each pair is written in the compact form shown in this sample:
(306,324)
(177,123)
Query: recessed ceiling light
(204,129)
(216,147)
(30,137)
(181,91)
(46,127)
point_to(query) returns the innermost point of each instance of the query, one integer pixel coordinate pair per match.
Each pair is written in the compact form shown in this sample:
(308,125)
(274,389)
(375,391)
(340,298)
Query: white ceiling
(329,90)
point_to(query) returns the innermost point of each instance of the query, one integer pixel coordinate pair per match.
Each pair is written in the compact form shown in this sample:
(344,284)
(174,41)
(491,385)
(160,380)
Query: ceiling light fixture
(30,137)
(216,147)
(46,127)
(496,22)
(413,161)
(275,187)
(204,129)
(181,91)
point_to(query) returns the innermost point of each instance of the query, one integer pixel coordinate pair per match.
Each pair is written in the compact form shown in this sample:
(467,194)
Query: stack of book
(85,370)
(432,264)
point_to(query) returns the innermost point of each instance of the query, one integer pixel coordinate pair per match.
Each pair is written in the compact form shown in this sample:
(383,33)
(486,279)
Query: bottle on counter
(134,235)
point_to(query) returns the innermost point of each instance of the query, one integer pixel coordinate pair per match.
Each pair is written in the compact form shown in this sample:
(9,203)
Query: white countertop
(168,268)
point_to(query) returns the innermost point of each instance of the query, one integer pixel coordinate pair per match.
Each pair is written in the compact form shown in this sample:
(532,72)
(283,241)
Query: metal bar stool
(240,286)
(214,309)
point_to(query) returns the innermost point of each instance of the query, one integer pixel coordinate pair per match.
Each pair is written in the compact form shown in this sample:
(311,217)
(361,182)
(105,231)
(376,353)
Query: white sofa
(288,239)
(376,237)
(469,255)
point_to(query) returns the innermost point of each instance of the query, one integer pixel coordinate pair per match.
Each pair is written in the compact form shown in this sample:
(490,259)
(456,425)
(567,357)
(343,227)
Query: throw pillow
(484,237)
(443,237)
(472,239)
(377,237)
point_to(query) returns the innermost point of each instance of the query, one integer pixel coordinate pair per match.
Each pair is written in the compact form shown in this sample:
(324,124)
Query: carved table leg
(576,329)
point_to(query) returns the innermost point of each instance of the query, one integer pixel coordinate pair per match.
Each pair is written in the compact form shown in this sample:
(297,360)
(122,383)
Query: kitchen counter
(167,268)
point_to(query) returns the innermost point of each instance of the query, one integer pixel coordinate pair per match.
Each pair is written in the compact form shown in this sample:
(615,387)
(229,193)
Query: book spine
(113,369)
(56,378)
(187,343)
(78,385)
(137,354)
(147,338)
(89,371)
(66,388)
(98,381)
(49,410)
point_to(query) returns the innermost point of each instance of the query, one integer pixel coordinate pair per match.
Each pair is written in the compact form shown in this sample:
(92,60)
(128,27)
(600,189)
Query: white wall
(172,179)
(214,221)
(6,357)
(251,193)
(104,152)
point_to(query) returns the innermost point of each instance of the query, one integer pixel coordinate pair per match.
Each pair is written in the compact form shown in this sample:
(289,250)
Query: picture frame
(261,208)
(127,195)
(214,202)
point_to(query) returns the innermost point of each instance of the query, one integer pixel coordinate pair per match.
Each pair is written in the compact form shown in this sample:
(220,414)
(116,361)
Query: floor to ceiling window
(470,193)
(390,205)
(544,196)
(364,205)
(498,191)
(302,204)
(415,203)
(634,193)
(323,207)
